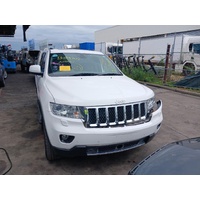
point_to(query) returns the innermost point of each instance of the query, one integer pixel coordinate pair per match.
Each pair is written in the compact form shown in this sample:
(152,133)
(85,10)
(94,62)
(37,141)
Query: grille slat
(111,116)
(139,111)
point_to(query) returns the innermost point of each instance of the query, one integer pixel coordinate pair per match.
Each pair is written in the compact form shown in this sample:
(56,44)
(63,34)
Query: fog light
(66,138)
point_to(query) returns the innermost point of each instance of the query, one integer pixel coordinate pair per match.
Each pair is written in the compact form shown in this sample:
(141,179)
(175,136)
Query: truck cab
(109,48)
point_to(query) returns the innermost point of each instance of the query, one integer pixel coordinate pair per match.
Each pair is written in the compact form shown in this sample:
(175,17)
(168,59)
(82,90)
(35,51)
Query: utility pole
(166,64)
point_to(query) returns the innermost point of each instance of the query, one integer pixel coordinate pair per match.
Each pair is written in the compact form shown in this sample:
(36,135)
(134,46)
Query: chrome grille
(108,116)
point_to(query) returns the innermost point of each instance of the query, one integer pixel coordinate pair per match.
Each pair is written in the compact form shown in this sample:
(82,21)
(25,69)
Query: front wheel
(22,68)
(49,151)
(2,82)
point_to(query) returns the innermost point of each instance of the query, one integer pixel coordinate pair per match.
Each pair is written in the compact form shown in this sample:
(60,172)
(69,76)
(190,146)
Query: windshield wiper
(85,74)
(110,74)
(94,74)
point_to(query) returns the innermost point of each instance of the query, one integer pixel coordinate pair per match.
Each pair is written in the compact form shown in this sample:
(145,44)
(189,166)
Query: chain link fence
(172,70)
(157,63)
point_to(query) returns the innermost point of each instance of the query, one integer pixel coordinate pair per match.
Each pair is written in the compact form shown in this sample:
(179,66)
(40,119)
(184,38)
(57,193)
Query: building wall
(118,33)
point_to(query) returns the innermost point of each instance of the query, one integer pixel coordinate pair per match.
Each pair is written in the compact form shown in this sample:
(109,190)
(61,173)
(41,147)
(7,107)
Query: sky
(76,21)
(57,35)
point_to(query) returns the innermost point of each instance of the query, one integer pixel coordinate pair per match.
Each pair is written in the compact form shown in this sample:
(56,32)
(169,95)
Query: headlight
(67,111)
(151,104)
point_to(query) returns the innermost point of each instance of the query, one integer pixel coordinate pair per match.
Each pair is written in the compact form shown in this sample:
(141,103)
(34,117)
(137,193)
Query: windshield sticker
(72,58)
(65,68)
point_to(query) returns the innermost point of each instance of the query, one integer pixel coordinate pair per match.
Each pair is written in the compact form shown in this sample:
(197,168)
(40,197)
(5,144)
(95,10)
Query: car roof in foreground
(75,51)
(177,158)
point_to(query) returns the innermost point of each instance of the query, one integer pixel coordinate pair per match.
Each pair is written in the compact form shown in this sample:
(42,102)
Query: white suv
(89,107)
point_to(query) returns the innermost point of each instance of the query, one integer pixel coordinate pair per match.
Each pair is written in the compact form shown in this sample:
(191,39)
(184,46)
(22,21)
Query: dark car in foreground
(177,158)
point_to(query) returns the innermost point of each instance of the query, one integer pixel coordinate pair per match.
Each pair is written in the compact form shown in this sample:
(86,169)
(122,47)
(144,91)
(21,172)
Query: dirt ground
(21,135)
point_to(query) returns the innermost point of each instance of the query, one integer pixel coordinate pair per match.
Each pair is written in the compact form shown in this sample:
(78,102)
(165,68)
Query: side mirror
(35,69)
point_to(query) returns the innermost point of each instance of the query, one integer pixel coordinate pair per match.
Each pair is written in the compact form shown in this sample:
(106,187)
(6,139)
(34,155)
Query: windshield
(196,48)
(115,49)
(79,64)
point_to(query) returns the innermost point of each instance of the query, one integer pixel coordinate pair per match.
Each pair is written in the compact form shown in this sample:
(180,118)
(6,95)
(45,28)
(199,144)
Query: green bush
(138,74)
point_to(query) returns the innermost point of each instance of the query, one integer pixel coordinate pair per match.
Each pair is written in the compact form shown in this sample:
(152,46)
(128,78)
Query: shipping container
(87,46)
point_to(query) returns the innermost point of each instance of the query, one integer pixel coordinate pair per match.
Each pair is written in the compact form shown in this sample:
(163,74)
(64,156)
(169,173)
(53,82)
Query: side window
(42,61)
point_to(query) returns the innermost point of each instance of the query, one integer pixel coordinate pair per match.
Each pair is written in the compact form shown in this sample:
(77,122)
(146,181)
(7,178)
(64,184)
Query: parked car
(89,107)
(28,58)
(34,54)
(176,158)
(3,76)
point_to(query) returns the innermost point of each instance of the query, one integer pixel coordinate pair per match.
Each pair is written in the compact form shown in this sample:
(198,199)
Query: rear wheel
(49,151)
(188,69)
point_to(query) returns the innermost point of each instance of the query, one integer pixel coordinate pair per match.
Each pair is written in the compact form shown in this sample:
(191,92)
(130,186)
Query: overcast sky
(96,15)
(57,35)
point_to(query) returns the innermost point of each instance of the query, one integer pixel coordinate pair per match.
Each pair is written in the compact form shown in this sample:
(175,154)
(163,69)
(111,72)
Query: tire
(2,82)
(40,117)
(49,151)
(22,68)
(27,68)
(188,69)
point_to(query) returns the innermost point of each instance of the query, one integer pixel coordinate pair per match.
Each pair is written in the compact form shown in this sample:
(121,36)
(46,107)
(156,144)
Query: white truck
(89,107)
(185,50)
(109,48)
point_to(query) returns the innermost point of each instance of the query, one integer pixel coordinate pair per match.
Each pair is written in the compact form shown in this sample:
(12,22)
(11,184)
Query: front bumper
(98,141)
(102,150)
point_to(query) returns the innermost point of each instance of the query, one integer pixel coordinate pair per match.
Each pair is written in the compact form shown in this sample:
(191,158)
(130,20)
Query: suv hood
(96,90)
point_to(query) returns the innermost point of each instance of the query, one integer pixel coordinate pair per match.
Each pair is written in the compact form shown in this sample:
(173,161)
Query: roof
(75,51)
(128,32)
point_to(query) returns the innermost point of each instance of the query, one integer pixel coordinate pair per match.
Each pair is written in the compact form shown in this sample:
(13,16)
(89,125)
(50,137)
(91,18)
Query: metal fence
(180,63)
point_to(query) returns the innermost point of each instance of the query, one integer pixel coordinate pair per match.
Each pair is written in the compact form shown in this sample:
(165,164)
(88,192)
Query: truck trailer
(184,49)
